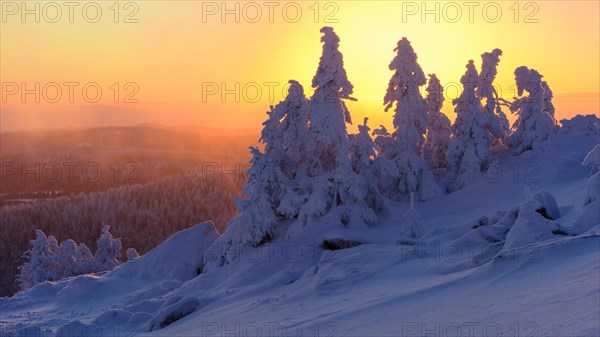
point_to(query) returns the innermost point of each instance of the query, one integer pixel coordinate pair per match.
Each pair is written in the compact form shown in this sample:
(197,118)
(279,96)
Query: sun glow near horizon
(175,63)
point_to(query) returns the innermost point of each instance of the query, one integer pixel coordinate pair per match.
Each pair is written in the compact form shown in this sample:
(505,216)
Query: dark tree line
(143,216)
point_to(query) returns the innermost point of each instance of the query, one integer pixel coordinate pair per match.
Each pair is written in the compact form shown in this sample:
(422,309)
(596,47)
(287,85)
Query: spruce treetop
(331,74)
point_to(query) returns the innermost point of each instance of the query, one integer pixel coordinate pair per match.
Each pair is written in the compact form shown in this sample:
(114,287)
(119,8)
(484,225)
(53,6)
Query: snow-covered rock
(532,225)
(548,202)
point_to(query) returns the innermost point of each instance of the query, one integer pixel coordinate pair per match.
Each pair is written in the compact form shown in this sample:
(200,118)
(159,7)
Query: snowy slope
(459,279)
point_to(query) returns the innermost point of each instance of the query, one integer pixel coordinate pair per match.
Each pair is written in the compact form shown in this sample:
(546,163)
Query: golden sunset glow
(173,59)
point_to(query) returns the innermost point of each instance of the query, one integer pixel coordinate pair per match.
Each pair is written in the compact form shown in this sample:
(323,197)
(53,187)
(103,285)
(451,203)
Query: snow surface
(490,263)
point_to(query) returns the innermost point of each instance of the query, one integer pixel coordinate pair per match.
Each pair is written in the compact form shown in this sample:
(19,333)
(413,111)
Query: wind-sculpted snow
(179,258)
(173,312)
(136,288)
(581,125)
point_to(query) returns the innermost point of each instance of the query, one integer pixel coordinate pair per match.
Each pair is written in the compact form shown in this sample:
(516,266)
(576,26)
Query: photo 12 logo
(247,92)
(68,92)
(269,12)
(69,11)
(469,11)
(68,171)
(271,329)
(468,329)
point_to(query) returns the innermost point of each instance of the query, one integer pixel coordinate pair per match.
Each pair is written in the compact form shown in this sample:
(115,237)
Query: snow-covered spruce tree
(533,126)
(497,125)
(270,194)
(291,153)
(256,223)
(55,268)
(328,113)
(386,169)
(470,147)
(132,254)
(412,228)
(68,258)
(37,267)
(368,165)
(108,251)
(336,185)
(548,106)
(439,127)
(410,123)
(293,129)
(47,261)
(53,245)
(85,260)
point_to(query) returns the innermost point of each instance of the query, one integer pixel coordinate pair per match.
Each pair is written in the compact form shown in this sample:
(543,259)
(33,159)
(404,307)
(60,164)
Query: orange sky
(178,50)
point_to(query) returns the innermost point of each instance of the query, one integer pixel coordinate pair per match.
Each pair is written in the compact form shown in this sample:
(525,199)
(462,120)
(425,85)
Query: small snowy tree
(37,268)
(362,149)
(132,254)
(410,121)
(53,245)
(293,129)
(387,171)
(258,211)
(439,127)
(367,165)
(108,251)
(271,194)
(593,192)
(497,122)
(85,260)
(68,258)
(470,147)
(55,268)
(411,229)
(533,126)
(291,156)
(275,187)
